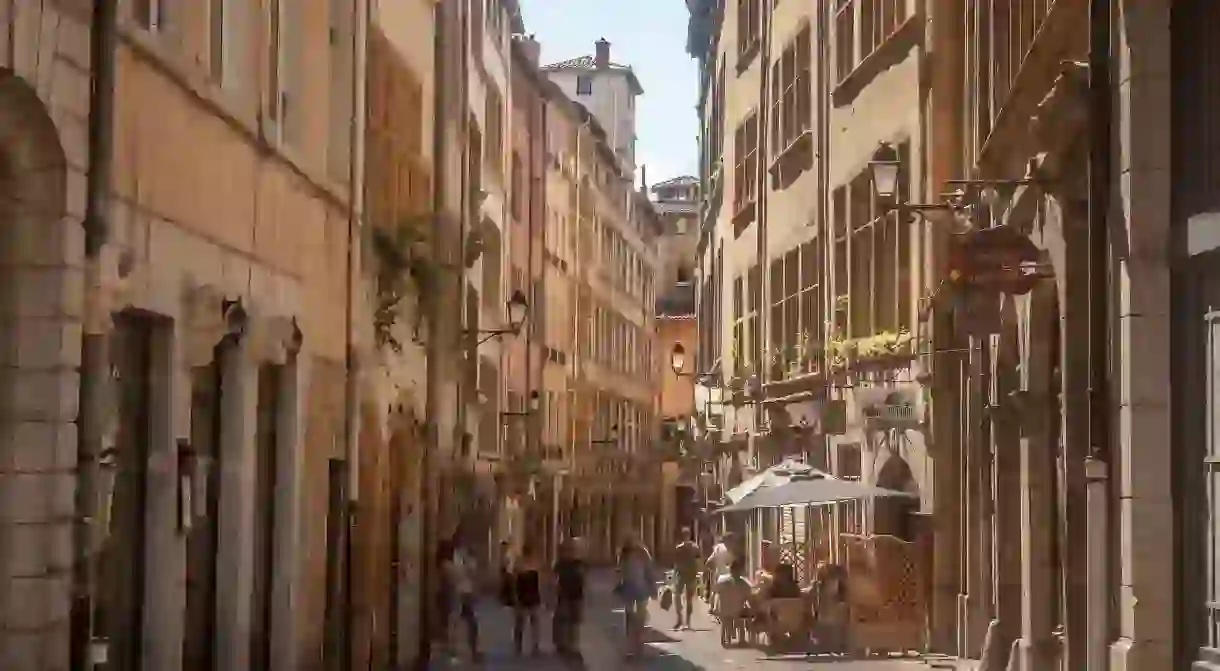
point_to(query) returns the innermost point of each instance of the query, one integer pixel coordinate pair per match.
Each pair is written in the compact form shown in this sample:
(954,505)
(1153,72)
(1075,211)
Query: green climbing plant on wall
(403,267)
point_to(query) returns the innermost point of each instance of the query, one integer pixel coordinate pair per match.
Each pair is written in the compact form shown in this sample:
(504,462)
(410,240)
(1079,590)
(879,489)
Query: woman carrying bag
(637,586)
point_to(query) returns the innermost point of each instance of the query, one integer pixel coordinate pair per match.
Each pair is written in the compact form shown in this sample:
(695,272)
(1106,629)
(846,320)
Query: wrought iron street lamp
(677,361)
(518,309)
(886,167)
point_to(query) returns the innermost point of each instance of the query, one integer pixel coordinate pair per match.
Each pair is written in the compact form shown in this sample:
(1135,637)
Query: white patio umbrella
(809,489)
(774,476)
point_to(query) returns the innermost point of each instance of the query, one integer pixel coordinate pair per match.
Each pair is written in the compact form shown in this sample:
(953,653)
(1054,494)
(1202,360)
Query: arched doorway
(892,514)
(33,244)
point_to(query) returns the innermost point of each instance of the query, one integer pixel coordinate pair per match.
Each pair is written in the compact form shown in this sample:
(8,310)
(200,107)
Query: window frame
(862,28)
(792,92)
(873,273)
(584,85)
(749,31)
(493,134)
(745,168)
(150,16)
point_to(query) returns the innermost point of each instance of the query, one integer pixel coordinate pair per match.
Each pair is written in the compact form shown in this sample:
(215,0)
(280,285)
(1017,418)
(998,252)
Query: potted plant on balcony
(840,353)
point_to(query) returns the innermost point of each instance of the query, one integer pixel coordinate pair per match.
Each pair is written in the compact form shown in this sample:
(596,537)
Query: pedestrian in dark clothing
(527,599)
(569,599)
(507,588)
(458,568)
(445,597)
(686,577)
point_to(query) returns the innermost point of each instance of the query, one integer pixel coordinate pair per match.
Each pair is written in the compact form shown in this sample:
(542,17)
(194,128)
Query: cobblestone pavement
(694,650)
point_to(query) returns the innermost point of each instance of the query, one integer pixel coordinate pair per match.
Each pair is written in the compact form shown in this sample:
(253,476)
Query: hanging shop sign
(999,259)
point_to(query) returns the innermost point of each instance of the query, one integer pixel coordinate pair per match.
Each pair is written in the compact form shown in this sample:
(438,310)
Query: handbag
(667,598)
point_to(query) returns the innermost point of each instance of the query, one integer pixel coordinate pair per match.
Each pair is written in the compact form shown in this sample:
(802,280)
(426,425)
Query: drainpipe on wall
(1097,463)
(95,353)
(826,234)
(757,525)
(351,386)
(468,333)
(533,433)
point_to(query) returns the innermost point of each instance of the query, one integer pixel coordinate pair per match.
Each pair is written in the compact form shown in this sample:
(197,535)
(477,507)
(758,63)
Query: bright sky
(650,36)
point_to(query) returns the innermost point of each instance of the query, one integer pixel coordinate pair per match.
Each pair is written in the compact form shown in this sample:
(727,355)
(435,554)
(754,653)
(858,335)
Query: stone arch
(891,515)
(33,203)
(33,167)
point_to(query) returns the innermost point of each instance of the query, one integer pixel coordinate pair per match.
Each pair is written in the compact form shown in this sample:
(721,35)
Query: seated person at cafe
(733,596)
(783,584)
(832,608)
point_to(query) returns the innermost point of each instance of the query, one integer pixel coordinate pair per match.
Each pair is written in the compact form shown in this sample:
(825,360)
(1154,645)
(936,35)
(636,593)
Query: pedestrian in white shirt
(719,562)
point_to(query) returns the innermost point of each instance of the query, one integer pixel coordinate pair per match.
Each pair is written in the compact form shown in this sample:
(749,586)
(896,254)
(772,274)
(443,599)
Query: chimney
(531,49)
(602,56)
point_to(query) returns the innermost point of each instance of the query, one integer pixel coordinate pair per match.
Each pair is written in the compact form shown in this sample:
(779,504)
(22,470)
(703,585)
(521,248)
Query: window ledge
(794,160)
(744,216)
(746,56)
(885,56)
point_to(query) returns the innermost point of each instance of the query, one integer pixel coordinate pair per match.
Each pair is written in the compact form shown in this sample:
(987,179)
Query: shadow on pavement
(652,635)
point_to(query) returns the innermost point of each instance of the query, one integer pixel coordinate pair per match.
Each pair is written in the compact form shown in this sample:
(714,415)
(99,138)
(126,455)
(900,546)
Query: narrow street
(698,649)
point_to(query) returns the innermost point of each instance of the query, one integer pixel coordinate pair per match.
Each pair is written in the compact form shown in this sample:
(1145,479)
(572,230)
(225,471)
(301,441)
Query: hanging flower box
(880,351)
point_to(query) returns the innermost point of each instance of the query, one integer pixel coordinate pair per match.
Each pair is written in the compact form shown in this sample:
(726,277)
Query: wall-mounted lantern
(518,309)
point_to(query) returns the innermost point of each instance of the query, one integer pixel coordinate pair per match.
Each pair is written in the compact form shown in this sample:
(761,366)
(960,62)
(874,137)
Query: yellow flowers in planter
(879,349)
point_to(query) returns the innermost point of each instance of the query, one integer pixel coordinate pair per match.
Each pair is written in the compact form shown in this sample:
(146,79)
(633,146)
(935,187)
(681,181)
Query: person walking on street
(719,562)
(569,599)
(460,570)
(445,595)
(686,578)
(507,562)
(637,586)
(527,599)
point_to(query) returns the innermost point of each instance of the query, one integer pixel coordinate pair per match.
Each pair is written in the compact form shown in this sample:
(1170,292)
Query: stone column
(973,603)
(235,551)
(947,500)
(1006,431)
(290,454)
(1039,442)
(165,543)
(1144,522)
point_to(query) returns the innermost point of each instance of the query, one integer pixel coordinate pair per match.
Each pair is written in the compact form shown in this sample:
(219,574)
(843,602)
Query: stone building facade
(608,90)
(676,201)
(609,231)
(1039,449)
(795,258)
(1065,454)
(193,336)
(400,202)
